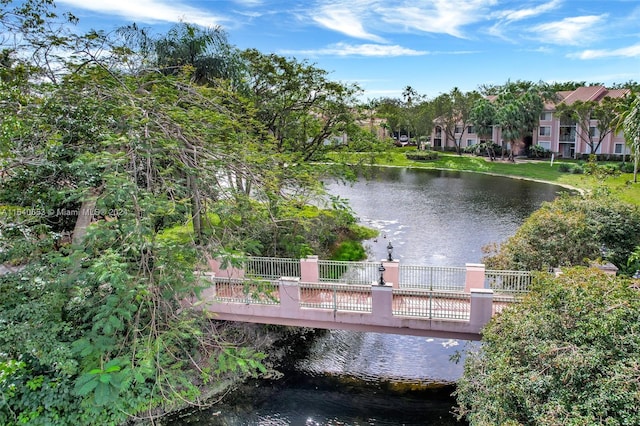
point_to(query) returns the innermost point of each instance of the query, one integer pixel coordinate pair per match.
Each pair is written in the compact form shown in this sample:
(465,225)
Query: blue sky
(430,45)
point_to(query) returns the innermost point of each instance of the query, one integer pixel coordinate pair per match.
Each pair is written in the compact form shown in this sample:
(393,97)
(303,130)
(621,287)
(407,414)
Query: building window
(458,129)
(594,132)
(545,131)
(438,132)
(546,116)
(545,145)
(471,129)
(471,142)
(618,148)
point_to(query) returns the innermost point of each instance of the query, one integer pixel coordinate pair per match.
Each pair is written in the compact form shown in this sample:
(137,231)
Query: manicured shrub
(421,155)
(565,167)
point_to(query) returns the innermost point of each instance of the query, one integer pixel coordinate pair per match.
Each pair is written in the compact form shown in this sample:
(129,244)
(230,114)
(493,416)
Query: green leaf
(85,384)
(103,394)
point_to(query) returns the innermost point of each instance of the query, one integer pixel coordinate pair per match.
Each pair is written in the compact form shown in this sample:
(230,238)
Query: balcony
(567,134)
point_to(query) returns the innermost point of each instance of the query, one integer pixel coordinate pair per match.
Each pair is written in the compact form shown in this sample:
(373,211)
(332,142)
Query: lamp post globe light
(389,251)
(381,269)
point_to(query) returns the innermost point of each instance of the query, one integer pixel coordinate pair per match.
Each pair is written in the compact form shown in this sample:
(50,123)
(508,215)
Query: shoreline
(582,191)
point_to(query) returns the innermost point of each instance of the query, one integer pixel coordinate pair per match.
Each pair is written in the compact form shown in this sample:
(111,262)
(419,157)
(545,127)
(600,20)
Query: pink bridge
(443,302)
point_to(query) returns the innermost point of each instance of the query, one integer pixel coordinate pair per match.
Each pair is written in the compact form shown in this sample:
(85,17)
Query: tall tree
(423,120)
(607,115)
(391,110)
(297,103)
(145,156)
(630,125)
(483,117)
(205,50)
(113,316)
(518,113)
(453,114)
(409,95)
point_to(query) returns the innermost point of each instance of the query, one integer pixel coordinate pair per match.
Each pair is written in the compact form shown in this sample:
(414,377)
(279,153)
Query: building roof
(586,94)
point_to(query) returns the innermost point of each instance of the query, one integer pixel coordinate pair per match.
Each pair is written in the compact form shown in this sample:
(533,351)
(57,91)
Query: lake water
(441,218)
(431,218)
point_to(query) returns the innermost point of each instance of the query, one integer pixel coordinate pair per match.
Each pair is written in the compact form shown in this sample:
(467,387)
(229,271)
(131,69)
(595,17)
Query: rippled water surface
(441,218)
(382,357)
(431,218)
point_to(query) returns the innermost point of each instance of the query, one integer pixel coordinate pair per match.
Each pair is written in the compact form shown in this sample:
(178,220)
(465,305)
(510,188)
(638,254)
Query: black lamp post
(389,250)
(381,269)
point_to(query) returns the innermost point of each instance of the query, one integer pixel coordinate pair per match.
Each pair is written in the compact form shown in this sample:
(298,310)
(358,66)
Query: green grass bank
(593,179)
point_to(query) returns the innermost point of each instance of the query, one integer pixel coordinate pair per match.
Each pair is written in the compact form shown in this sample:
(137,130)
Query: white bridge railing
(432,277)
(410,277)
(508,282)
(375,307)
(343,297)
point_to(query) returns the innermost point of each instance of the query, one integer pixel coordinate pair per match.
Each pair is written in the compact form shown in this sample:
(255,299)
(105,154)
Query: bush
(576,169)
(421,155)
(537,151)
(570,231)
(349,251)
(626,167)
(567,355)
(483,149)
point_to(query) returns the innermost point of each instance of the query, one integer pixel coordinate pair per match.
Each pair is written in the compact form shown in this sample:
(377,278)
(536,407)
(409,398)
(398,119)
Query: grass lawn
(620,184)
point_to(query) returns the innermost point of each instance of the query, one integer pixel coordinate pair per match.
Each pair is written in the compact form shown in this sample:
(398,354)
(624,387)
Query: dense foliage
(567,355)
(572,230)
(127,162)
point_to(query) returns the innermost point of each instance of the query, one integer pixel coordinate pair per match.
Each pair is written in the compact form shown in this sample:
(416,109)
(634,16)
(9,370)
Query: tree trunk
(196,209)
(635,167)
(85,216)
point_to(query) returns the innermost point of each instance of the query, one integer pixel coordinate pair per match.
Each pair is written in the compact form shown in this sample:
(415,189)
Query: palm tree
(206,50)
(408,94)
(630,125)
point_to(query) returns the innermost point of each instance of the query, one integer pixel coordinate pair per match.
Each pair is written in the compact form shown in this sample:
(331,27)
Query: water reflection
(373,357)
(306,401)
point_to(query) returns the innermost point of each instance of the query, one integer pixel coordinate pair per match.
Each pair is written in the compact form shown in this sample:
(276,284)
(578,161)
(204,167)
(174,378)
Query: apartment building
(564,138)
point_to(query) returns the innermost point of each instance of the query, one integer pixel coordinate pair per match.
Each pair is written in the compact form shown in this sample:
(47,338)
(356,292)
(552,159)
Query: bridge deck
(328,305)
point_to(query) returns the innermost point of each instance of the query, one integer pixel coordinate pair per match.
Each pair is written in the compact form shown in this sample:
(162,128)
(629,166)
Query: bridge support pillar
(392,272)
(215,266)
(481,307)
(289,288)
(211,291)
(382,300)
(474,277)
(309,272)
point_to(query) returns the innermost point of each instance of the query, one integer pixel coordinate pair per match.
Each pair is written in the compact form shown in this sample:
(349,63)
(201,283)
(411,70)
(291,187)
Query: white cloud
(365,19)
(520,14)
(437,16)
(371,50)
(623,52)
(345,21)
(148,11)
(570,31)
(503,27)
